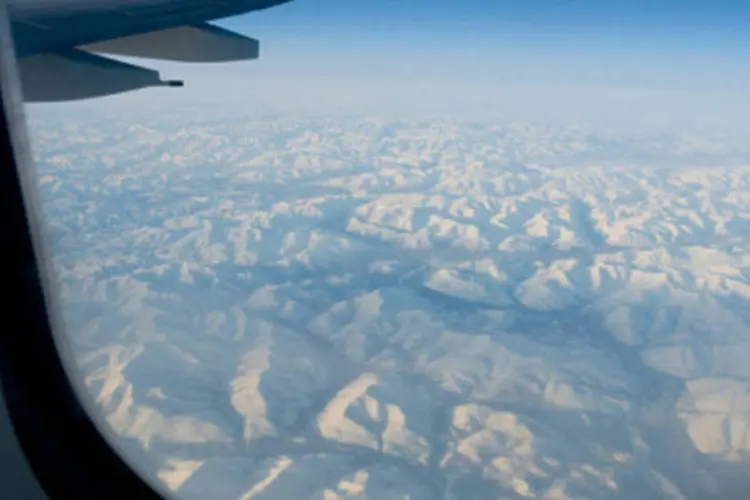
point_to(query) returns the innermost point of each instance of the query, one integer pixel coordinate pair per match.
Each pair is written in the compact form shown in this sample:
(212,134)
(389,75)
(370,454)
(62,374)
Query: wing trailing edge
(75,74)
(195,43)
(83,73)
(63,46)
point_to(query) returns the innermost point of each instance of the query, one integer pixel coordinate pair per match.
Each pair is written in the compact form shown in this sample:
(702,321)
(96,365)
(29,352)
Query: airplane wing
(62,45)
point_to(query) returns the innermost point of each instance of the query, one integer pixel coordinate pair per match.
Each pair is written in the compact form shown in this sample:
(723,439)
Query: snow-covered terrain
(271,308)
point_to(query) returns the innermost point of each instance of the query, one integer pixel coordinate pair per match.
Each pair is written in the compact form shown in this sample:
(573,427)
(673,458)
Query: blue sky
(657,43)
(498,20)
(574,59)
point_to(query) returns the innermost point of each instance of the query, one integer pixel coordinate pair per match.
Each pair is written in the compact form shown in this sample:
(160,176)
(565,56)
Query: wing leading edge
(62,44)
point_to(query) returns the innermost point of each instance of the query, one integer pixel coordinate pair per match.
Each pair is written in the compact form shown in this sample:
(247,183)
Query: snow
(356,308)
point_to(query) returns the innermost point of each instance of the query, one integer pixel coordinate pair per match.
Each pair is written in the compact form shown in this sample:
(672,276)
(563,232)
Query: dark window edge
(63,445)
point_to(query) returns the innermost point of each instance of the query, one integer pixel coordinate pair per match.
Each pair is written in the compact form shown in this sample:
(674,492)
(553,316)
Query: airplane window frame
(66,452)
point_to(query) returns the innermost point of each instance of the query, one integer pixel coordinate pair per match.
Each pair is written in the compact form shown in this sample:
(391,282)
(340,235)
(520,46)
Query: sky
(541,59)
(538,41)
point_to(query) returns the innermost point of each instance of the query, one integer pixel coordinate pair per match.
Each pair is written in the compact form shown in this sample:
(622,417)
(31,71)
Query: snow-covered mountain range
(277,308)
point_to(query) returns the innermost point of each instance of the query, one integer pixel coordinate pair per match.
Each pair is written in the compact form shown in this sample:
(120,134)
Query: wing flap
(196,43)
(75,74)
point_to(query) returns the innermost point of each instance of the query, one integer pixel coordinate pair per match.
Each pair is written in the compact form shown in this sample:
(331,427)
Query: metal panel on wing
(196,43)
(75,74)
